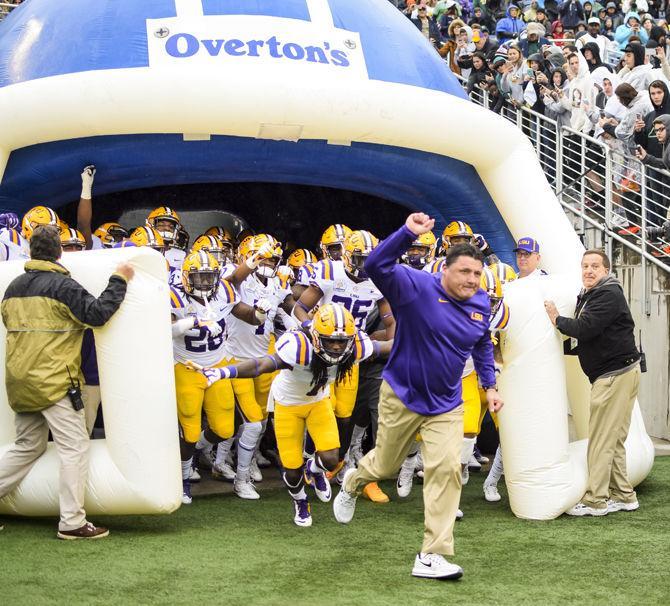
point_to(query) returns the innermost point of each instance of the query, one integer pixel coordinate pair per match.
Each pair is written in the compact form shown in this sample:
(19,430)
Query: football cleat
(374,493)
(320,484)
(224,473)
(194,475)
(481,459)
(344,504)
(474,464)
(262,461)
(186,498)
(303,513)
(245,489)
(435,566)
(491,493)
(256,474)
(465,475)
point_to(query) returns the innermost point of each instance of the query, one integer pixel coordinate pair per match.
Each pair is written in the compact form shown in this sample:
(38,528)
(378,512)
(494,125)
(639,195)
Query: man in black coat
(602,335)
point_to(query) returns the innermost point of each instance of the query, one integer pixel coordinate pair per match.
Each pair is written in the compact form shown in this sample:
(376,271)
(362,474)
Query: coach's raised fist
(419,223)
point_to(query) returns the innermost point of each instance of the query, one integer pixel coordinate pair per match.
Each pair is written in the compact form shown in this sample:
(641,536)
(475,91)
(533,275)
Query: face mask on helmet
(333,350)
(335,251)
(203,283)
(357,265)
(265,270)
(168,228)
(495,305)
(417,257)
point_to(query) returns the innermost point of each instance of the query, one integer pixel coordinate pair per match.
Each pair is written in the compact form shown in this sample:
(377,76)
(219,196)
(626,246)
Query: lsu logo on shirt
(476,316)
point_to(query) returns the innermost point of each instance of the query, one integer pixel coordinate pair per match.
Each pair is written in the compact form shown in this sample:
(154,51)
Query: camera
(659,233)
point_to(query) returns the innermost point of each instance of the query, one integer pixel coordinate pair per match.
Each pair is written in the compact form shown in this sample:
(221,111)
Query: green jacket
(46,312)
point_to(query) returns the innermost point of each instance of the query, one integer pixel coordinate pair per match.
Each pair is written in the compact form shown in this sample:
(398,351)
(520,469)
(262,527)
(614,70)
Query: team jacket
(46,312)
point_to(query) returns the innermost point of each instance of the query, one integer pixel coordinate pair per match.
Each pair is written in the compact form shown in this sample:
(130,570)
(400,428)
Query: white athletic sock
(222,451)
(467,450)
(357,435)
(496,470)
(246,445)
(314,465)
(203,443)
(186,469)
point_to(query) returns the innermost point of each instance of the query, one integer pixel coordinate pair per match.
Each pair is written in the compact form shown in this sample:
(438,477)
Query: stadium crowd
(600,69)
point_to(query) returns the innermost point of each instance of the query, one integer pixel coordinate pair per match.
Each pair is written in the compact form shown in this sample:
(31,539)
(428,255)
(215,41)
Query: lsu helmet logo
(477,317)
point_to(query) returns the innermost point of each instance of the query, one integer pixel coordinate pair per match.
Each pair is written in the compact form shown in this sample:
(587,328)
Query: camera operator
(45,312)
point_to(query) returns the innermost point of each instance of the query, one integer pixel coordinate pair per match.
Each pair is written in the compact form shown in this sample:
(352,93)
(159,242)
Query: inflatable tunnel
(332,93)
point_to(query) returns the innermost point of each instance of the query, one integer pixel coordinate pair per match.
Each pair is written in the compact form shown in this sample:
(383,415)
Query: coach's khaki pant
(442,437)
(68,429)
(91,396)
(612,401)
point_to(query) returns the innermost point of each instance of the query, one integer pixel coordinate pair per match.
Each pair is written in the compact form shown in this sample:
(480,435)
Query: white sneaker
(256,474)
(303,513)
(585,510)
(491,493)
(344,504)
(406,477)
(434,566)
(465,475)
(206,457)
(459,515)
(262,461)
(245,489)
(224,472)
(474,464)
(194,475)
(614,506)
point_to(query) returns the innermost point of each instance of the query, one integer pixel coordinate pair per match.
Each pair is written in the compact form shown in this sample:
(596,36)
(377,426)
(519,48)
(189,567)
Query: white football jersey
(175,257)
(96,243)
(497,323)
(306,274)
(15,246)
(291,386)
(197,344)
(358,297)
(244,340)
(435,266)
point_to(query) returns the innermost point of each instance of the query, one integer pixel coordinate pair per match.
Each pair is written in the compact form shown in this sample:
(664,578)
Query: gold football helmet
(332,241)
(38,215)
(457,232)
(333,333)
(253,244)
(358,245)
(200,274)
(166,222)
(110,234)
(421,251)
(148,236)
(72,240)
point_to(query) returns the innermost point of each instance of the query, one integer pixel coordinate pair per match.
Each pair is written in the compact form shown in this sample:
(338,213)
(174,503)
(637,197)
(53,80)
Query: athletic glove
(87,177)
(212,327)
(264,252)
(9,220)
(261,308)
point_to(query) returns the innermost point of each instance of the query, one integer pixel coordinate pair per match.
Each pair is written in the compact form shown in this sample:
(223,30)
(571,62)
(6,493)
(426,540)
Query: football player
(13,245)
(227,242)
(72,240)
(505,273)
(332,247)
(166,222)
(309,360)
(38,215)
(245,342)
(421,252)
(107,235)
(201,307)
(300,261)
(459,232)
(346,282)
(148,236)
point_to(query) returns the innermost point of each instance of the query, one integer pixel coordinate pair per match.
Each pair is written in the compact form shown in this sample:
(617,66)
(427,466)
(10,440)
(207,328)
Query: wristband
(302,306)
(306,325)
(261,315)
(487,387)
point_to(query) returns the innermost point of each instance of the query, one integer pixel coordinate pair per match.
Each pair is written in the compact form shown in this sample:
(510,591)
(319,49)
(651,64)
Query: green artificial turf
(222,550)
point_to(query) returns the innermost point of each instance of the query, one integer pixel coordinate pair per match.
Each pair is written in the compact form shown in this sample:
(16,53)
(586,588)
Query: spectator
(528,258)
(510,27)
(530,14)
(480,71)
(551,98)
(426,26)
(630,27)
(557,33)
(645,133)
(581,97)
(542,18)
(571,13)
(451,14)
(636,71)
(593,36)
(512,80)
(536,80)
(534,40)
(637,106)
(609,30)
(464,49)
(449,48)
(44,338)
(614,14)
(589,11)
(486,44)
(602,336)
(591,52)
(483,18)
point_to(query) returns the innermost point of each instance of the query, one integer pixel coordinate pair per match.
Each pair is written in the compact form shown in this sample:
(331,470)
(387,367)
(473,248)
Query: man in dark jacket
(571,13)
(602,335)
(46,312)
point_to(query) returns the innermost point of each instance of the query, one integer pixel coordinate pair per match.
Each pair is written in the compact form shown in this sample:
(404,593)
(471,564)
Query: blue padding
(395,50)
(442,187)
(49,37)
(292,9)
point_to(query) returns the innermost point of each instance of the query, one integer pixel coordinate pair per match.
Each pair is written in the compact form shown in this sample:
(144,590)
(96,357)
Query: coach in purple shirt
(441,320)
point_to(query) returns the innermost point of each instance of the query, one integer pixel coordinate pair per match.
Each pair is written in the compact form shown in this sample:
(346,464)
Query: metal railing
(599,184)
(6,8)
